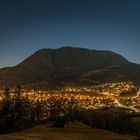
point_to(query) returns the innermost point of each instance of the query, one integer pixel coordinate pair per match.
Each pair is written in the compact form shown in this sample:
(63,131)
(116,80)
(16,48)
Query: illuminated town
(117,95)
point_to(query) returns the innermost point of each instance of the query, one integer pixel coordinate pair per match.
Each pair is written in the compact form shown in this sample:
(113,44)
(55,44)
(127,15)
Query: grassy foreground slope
(73,131)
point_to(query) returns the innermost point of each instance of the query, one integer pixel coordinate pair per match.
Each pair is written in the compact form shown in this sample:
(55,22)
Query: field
(73,131)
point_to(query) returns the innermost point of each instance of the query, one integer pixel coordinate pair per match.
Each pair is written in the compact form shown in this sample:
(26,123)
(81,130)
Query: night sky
(29,25)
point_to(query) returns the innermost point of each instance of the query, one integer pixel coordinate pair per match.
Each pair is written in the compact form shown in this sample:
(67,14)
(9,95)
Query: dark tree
(18,90)
(6,92)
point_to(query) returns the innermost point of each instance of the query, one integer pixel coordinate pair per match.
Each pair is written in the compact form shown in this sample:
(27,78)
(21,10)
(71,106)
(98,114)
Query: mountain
(70,65)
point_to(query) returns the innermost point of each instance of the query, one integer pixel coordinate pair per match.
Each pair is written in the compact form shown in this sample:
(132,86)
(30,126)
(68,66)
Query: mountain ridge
(69,64)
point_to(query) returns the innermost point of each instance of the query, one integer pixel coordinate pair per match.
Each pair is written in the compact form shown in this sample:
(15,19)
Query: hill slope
(70,64)
(74,131)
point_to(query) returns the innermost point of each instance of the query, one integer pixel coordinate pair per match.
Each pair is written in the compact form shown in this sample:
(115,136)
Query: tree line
(18,112)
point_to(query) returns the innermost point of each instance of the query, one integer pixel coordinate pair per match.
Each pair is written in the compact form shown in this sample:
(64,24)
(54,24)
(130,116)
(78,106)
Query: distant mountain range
(70,66)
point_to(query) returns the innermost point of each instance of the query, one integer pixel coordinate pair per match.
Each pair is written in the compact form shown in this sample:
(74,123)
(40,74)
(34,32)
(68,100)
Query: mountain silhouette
(70,65)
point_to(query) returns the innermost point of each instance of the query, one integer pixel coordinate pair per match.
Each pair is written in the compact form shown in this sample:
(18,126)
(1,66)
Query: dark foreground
(72,131)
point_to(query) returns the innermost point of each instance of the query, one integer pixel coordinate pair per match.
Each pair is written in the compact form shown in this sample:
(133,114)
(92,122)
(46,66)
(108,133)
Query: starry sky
(29,25)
